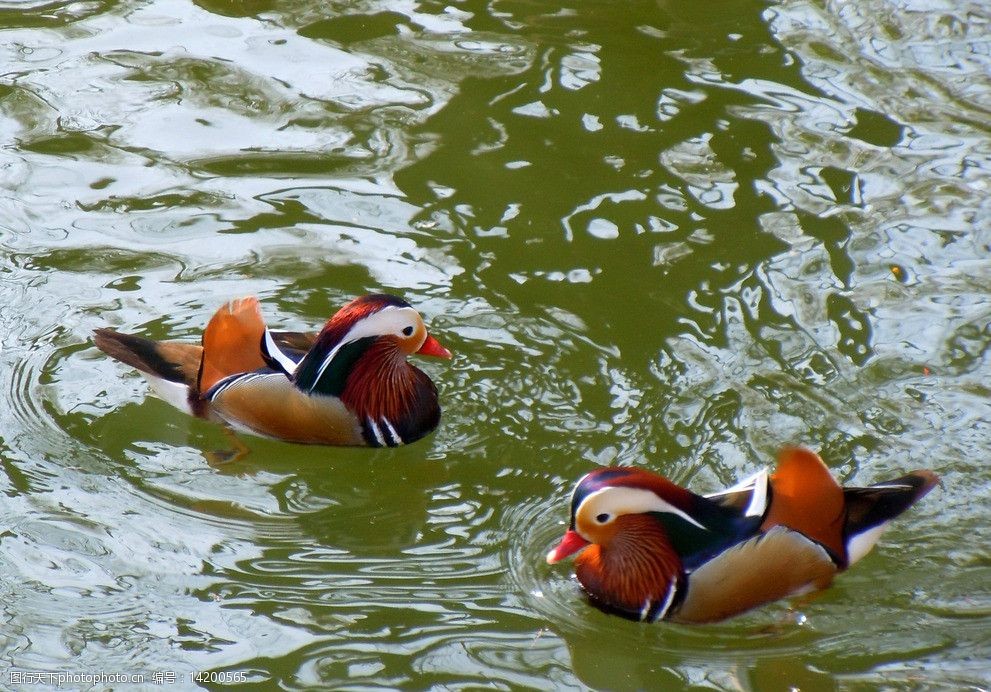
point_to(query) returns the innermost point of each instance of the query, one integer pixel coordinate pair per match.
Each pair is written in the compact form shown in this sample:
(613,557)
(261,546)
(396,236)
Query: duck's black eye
(408,331)
(602,518)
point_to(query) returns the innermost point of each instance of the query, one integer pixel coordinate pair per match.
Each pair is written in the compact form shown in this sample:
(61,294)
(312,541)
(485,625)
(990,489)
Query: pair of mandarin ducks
(647,548)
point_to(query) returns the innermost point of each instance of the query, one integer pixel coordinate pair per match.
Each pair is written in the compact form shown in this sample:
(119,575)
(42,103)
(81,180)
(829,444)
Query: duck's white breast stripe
(396,439)
(376,431)
(668,600)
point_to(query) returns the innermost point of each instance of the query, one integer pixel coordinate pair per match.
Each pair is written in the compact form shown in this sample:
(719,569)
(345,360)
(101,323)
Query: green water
(676,234)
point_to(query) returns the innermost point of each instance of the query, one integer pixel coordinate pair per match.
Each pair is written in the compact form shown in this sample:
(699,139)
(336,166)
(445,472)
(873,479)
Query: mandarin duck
(652,550)
(348,385)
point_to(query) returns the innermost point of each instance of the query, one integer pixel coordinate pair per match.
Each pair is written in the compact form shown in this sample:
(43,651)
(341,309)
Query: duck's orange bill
(569,545)
(432,347)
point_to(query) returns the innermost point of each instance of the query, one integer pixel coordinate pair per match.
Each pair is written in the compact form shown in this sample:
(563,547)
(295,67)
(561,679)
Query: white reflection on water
(164,158)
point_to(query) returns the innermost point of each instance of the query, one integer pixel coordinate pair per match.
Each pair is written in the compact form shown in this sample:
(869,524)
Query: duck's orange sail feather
(232,342)
(806,498)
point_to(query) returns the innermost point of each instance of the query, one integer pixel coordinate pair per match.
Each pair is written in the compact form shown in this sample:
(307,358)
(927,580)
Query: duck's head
(629,527)
(379,324)
(381,316)
(608,502)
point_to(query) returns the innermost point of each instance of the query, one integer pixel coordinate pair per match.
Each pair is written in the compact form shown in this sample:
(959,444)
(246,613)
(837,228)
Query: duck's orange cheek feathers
(591,572)
(625,591)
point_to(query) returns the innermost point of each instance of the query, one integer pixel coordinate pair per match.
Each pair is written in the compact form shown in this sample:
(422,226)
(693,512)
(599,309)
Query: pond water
(674,234)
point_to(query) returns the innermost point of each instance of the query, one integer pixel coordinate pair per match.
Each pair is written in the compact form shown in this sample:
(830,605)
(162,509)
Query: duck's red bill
(432,347)
(569,545)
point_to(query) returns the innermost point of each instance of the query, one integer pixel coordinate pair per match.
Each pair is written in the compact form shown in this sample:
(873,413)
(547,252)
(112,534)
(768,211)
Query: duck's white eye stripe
(619,500)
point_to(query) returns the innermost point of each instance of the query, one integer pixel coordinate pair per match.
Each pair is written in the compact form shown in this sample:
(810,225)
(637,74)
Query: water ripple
(776,234)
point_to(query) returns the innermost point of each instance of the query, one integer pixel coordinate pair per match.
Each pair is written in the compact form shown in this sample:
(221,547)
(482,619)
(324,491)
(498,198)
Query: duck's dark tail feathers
(869,510)
(169,360)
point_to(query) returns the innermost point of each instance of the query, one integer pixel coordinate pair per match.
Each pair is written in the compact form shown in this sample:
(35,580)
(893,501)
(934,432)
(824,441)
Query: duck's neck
(638,574)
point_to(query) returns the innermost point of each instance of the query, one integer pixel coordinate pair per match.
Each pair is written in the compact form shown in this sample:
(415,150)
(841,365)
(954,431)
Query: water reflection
(677,235)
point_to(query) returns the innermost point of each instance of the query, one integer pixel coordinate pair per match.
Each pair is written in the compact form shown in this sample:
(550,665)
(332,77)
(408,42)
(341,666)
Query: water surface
(673,234)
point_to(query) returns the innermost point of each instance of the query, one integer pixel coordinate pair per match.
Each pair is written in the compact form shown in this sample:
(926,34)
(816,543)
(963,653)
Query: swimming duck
(652,550)
(348,385)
